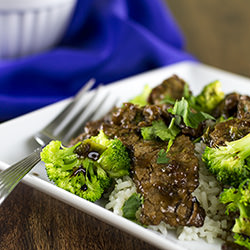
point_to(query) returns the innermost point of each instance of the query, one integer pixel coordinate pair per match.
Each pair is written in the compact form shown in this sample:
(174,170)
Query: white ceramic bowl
(31,26)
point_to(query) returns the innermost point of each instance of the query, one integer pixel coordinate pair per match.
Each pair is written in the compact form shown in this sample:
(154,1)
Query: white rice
(124,188)
(215,225)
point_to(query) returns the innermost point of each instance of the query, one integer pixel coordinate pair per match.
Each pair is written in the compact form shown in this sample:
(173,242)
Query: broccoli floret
(113,155)
(210,97)
(115,159)
(101,139)
(238,200)
(87,168)
(55,154)
(102,176)
(80,176)
(229,163)
(242,240)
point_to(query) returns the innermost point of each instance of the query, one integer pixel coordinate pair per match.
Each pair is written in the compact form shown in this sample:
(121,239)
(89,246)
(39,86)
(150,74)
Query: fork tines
(85,114)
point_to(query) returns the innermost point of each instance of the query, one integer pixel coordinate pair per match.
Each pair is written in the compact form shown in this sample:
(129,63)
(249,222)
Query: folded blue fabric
(107,40)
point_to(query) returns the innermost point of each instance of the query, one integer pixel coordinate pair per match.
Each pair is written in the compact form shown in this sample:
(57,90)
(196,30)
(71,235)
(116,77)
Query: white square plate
(17,142)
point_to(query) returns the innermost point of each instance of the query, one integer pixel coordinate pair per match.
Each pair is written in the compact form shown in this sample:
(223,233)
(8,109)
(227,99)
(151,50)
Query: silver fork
(60,128)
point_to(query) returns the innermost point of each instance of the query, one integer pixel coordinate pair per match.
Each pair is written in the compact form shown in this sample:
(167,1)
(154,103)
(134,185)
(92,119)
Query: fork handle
(10,177)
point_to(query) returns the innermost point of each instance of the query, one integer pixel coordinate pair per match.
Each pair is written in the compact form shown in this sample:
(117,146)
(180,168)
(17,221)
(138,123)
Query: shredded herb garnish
(162,157)
(131,205)
(167,99)
(186,91)
(191,118)
(160,130)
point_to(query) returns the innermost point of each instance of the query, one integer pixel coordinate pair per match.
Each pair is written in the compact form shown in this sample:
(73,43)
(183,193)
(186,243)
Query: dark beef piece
(243,108)
(193,132)
(129,137)
(167,188)
(234,105)
(127,116)
(155,112)
(228,107)
(172,87)
(133,117)
(92,128)
(229,130)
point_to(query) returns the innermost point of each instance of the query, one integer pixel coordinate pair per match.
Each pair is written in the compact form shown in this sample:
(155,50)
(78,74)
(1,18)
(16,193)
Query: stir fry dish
(168,160)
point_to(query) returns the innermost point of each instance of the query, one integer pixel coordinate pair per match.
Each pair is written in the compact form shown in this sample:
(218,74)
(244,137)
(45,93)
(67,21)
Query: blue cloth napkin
(106,39)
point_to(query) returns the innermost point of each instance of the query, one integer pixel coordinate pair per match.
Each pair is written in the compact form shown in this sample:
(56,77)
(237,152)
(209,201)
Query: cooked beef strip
(129,137)
(172,87)
(167,188)
(133,117)
(229,130)
(227,107)
(234,105)
(192,132)
(243,107)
